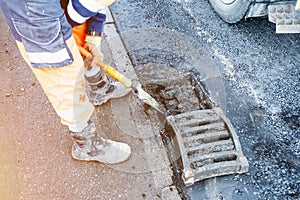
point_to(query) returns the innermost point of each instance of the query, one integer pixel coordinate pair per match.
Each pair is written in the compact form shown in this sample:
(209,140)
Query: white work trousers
(65,88)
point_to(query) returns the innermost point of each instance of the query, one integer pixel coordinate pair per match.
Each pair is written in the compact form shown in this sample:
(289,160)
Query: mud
(177,92)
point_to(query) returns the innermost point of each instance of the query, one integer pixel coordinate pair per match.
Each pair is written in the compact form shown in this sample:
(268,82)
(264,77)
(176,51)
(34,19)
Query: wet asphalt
(256,75)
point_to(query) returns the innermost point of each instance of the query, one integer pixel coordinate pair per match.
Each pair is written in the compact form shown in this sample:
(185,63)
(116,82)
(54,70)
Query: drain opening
(200,140)
(179,94)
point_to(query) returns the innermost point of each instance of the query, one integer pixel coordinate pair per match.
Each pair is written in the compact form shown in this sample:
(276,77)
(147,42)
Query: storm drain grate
(208,145)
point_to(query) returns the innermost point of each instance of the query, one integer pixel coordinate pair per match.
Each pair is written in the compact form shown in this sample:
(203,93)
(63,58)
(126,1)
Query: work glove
(298,5)
(89,43)
(92,44)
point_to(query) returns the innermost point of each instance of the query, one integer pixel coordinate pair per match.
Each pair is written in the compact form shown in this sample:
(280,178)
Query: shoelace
(96,141)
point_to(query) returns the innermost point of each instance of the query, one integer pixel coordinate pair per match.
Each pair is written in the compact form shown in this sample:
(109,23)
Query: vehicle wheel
(231,11)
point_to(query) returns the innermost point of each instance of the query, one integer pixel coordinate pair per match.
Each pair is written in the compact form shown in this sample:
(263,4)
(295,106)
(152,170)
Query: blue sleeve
(95,24)
(79,12)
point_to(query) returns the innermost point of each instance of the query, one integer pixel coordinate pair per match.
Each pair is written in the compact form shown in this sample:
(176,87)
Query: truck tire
(231,11)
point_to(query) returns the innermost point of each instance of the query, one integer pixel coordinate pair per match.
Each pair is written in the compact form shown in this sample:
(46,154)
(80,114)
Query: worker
(43,33)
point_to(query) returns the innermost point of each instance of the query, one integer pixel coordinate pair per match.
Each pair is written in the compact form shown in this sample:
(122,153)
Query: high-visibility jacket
(44,28)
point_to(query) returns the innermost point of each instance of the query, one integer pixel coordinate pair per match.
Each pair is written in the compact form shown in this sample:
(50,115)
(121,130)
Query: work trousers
(65,88)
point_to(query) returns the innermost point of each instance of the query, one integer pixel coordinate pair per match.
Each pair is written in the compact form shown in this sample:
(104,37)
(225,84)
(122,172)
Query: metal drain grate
(208,145)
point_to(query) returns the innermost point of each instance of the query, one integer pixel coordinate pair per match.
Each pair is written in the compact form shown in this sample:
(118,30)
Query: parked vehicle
(282,13)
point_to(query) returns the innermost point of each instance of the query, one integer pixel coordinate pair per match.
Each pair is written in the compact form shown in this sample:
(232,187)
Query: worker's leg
(101,88)
(65,88)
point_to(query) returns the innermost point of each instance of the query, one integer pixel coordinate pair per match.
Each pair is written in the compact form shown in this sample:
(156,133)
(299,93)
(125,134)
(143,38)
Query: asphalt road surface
(259,72)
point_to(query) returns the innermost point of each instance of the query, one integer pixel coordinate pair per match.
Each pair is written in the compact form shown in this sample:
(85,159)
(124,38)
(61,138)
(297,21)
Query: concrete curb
(146,130)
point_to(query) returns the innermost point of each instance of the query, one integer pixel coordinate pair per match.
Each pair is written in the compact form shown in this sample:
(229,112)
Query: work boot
(102,89)
(89,146)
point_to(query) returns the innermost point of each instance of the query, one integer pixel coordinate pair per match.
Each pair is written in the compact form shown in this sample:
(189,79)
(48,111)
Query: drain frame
(190,175)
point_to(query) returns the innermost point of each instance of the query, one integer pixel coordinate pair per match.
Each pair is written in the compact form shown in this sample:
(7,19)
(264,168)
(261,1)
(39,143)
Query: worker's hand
(92,44)
(89,43)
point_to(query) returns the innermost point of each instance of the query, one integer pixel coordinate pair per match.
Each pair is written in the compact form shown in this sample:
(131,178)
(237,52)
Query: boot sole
(95,160)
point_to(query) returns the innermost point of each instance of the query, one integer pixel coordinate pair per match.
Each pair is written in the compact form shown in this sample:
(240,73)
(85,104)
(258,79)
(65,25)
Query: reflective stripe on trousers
(65,88)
